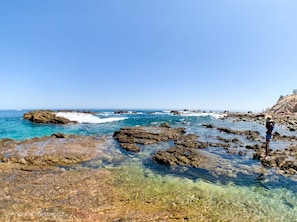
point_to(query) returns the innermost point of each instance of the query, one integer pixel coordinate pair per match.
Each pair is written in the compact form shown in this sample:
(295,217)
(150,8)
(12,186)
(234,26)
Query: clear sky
(147,54)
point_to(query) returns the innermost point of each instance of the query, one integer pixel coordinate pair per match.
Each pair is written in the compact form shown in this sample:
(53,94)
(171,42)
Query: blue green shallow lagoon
(131,187)
(199,200)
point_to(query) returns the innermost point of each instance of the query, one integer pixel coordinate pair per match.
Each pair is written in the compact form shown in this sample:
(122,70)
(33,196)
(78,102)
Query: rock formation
(131,137)
(56,150)
(179,155)
(285,105)
(46,116)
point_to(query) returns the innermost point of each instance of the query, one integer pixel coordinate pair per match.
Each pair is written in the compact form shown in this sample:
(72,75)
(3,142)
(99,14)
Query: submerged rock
(179,155)
(251,135)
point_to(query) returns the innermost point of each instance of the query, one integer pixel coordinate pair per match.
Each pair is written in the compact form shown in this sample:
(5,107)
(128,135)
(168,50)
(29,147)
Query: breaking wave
(196,113)
(190,113)
(87,117)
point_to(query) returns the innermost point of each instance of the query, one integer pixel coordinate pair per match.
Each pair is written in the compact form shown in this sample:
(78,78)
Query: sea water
(236,185)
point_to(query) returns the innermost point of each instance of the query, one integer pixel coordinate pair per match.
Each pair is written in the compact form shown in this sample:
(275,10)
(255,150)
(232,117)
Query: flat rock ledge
(55,150)
(46,116)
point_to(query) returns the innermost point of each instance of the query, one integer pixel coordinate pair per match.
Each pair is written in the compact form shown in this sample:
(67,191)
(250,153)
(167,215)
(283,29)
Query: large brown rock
(285,105)
(130,137)
(46,116)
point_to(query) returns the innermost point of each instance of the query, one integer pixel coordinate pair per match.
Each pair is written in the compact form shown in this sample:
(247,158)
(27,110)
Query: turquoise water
(232,173)
(12,124)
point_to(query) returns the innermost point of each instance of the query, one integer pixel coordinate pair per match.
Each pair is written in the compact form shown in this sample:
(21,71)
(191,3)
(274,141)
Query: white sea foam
(160,113)
(87,117)
(190,113)
(105,113)
(196,113)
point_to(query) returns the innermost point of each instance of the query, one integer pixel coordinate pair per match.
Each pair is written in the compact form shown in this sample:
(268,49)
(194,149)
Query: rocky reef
(185,151)
(44,179)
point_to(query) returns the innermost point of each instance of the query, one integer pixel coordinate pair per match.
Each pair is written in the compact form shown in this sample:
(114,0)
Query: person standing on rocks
(269,128)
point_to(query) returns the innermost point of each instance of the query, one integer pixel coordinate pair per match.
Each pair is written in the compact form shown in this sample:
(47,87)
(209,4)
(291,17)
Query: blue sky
(148,54)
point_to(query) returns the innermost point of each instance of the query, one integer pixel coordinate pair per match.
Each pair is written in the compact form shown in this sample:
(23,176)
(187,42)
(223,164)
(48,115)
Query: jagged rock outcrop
(46,116)
(285,105)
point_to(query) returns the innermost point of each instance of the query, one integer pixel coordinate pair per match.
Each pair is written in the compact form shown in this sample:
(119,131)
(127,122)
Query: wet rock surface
(46,116)
(58,149)
(179,155)
(186,147)
(251,135)
(131,137)
(283,160)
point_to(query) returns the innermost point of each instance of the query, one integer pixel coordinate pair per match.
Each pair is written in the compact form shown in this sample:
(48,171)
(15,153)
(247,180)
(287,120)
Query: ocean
(235,182)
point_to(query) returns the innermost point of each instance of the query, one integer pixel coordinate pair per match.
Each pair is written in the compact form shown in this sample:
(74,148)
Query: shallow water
(235,187)
(210,200)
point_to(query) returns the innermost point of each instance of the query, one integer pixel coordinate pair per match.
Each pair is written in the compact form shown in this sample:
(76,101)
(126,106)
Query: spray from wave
(87,117)
(195,113)
(211,114)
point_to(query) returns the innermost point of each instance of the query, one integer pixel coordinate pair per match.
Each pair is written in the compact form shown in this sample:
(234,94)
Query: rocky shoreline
(184,152)
(186,146)
(38,185)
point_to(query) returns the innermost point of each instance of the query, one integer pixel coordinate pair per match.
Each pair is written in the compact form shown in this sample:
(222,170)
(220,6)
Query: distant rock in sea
(46,116)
